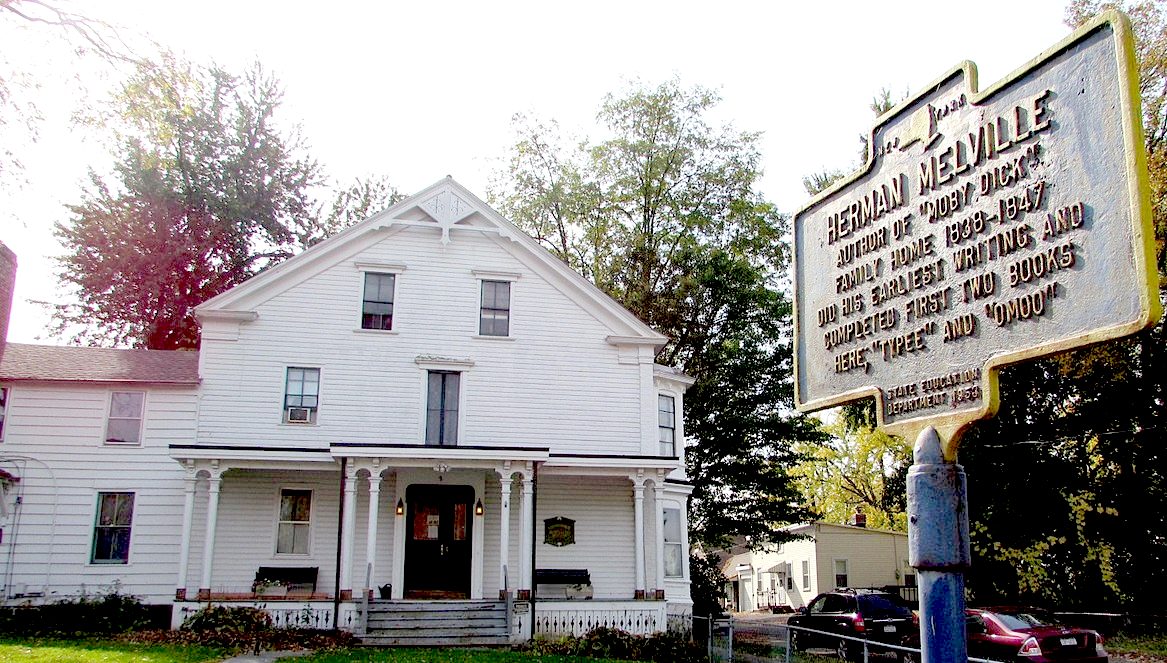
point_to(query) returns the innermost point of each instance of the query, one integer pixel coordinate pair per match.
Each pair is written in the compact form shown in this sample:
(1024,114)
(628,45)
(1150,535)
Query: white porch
(360,526)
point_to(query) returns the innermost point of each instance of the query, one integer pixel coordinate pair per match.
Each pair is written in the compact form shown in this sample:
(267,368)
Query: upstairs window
(495,314)
(111,533)
(667,425)
(295,520)
(124,425)
(441,420)
(377,303)
(3,409)
(805,574)
(674,547)
(302,395)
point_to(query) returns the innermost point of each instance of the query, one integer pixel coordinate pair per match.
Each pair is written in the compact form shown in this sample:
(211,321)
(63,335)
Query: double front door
(438,537)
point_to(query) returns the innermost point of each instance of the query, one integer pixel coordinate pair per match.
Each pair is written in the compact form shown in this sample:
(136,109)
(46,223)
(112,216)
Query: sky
(417,91)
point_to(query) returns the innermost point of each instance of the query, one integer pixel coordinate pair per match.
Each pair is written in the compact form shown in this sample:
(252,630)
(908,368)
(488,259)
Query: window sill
(121,444)
(307,425)
(485,337)
(377,332)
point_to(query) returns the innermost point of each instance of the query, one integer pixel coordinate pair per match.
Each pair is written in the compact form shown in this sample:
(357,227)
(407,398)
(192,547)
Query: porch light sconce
(400,507)
(478,507)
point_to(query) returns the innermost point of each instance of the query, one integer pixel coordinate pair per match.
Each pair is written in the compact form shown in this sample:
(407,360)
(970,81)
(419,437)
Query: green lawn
(73,651)
(82,651)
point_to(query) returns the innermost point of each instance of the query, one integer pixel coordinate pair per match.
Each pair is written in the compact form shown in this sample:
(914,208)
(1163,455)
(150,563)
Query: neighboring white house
(426,406)
(789,576)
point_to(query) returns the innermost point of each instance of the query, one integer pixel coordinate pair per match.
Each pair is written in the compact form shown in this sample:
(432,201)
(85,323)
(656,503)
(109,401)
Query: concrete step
(422,641)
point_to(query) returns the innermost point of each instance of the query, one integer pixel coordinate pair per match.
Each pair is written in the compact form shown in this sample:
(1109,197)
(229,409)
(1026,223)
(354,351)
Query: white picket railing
(284,614)
(576,618)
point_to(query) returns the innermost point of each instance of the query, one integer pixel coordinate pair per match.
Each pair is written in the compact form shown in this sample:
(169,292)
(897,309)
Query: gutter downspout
(339,544)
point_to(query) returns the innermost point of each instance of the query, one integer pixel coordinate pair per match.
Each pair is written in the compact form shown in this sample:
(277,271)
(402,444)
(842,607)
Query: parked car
(1025,634)
(873,615)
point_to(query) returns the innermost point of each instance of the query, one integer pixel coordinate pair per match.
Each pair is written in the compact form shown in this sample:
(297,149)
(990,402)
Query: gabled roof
(448,208)
(20,361)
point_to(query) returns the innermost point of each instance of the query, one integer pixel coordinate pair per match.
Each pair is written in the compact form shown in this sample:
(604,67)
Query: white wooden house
(787,577)
(427,406)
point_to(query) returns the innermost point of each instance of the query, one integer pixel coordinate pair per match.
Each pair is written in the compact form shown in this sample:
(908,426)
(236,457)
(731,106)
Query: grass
(34,650)
(1146,645)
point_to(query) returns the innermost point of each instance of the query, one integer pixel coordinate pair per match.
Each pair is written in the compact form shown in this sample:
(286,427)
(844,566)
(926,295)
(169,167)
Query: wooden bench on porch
(298,580)
(563,584)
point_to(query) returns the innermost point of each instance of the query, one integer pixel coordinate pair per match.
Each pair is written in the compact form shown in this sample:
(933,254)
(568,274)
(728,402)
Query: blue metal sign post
(987,227)
(938,546)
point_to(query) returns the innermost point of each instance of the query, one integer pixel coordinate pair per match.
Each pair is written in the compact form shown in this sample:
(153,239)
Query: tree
(664,215)
(206,192)
(78,34)
(860,469)
(1068,484)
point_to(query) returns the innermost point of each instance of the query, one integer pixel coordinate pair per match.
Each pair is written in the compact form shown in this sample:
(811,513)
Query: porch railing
(284,614)
(576,618)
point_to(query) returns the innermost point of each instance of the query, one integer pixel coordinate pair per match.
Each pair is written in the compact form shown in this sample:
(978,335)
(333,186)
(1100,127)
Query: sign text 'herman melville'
(985,229)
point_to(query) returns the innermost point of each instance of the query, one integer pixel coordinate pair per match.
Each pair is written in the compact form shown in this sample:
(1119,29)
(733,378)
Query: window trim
(806,575)
(846,571)
(660,444)
(427,363)
(365,267)
(483,309)
(442,410)
(5,399)
(105,440)
(682,543)
(278,521)
(483,275)
(314,415)
(97,526)
(365,274)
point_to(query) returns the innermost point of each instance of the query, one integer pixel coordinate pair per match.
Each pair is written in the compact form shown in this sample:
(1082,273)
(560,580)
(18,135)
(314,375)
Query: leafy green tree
(206,191)
(858,469)
(664,215)
(1068,484)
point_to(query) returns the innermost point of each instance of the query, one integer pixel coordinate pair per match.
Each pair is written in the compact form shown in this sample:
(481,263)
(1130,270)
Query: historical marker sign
(986,228)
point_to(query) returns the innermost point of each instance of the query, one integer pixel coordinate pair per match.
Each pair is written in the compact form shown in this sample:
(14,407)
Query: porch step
(436,624)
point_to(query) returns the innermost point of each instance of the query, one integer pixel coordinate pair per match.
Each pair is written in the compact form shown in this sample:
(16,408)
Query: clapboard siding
(603,515)
(874,557)
(54,442)
(557,383)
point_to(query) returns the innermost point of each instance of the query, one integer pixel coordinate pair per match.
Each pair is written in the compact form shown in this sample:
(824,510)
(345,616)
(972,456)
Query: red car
(1027,634)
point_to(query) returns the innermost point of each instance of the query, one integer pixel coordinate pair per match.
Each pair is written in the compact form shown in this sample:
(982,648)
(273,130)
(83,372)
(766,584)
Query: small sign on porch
(559,531)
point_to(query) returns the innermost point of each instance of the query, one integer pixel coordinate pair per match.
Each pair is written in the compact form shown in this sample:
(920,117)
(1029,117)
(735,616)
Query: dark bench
(298,579)
(563,583)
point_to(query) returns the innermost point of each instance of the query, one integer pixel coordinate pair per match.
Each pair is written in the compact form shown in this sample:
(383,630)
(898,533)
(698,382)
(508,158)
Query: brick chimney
(7,287)
(860,518)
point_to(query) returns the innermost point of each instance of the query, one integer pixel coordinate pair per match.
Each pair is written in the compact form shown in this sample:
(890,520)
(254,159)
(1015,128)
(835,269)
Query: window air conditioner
(299,415)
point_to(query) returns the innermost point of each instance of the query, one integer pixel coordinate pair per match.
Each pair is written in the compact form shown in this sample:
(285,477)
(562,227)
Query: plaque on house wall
(559,531)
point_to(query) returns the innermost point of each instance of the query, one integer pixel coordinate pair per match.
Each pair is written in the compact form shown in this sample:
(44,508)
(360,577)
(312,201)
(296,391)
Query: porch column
(658,495)
(505,480)
(347,532)
(371,540)
(526,543)
(209,540)
(638,530)
(189,484)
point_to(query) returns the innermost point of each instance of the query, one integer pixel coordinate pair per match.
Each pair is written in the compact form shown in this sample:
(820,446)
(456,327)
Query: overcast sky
(415,91)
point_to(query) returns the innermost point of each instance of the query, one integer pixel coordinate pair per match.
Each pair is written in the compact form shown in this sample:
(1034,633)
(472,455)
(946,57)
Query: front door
(438,537)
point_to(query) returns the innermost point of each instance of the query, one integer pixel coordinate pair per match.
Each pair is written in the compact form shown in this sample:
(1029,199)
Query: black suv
(868,614)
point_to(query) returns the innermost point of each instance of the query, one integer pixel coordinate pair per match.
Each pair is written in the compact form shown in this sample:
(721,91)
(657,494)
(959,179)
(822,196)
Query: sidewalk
(266,657)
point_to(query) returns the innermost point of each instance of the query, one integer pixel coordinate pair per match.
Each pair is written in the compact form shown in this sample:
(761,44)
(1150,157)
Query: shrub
(234,620)
(603,642)
(107,614)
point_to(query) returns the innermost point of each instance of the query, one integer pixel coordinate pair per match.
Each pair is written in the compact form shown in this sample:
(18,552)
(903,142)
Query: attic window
(377,302)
